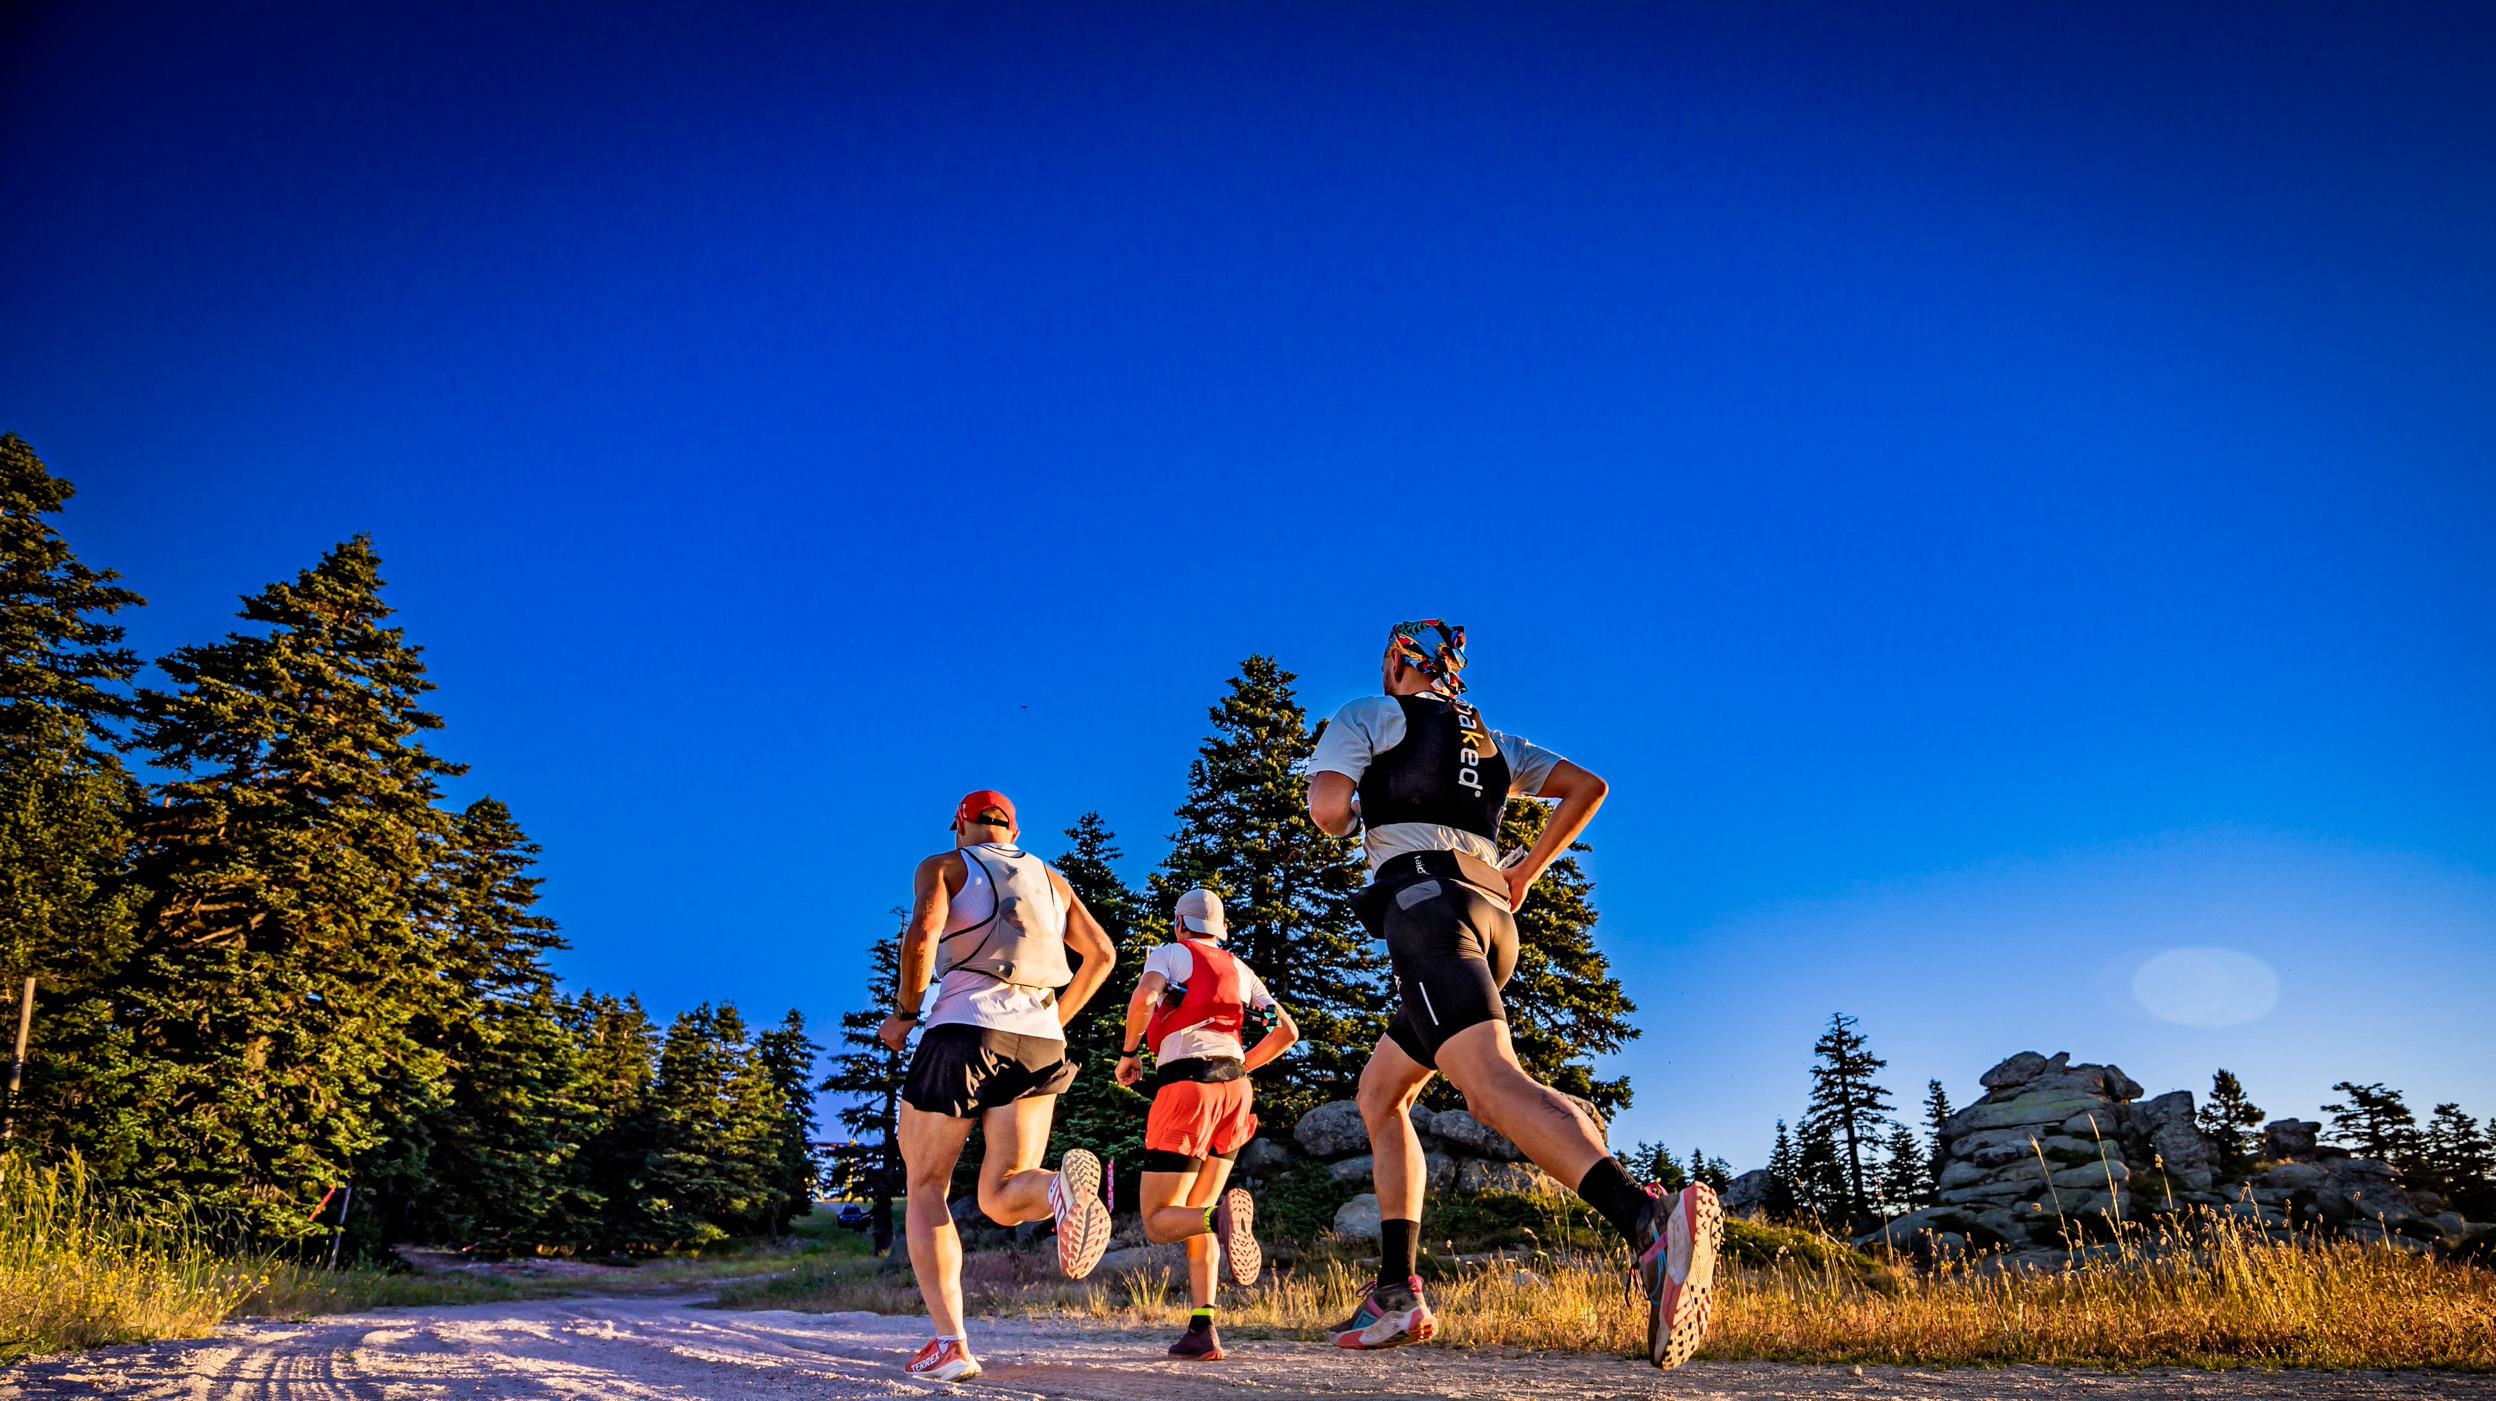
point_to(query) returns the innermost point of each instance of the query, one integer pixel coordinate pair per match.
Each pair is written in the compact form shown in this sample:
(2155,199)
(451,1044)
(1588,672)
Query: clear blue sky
(2002,493)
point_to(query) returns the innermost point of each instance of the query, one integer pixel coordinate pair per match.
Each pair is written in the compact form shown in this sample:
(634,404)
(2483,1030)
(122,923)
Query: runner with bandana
(1426,778)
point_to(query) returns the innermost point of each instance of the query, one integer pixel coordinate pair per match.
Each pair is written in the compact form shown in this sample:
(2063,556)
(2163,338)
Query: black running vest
(1446,771)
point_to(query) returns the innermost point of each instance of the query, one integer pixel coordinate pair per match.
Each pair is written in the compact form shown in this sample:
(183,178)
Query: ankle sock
(1399,1251)
(1608,1190)
(1201,1318)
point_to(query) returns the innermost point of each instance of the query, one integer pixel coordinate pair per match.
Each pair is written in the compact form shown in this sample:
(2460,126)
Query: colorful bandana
(1436,649)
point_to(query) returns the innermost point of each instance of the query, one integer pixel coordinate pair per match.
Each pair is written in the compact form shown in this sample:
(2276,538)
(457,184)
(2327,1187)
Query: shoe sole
(1678,1317)
(951,1372)
(1236,1227)
(1083,1239)
(1419,1326)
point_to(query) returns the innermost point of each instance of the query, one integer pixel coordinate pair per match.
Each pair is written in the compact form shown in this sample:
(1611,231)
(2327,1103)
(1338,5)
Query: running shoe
(1198,1345)
(1234,1225)
(1676,1264)
(1390,1315)
(943,1360)
(1082,1218)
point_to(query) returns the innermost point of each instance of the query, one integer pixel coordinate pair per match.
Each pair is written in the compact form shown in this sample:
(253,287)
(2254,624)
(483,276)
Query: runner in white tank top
(1000,924)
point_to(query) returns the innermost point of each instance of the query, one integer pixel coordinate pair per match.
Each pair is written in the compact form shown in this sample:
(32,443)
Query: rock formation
(1460,1154)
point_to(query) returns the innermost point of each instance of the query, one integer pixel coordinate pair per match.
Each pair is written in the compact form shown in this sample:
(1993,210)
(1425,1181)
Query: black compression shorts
(962,1071)
(1452,945)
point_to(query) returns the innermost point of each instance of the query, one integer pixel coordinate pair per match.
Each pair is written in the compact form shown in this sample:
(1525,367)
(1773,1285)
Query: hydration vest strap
(1201,1070)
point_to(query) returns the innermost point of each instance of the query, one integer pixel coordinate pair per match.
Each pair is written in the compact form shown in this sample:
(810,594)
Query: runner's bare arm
(1580,793)
(1139,1015)
(1272,1045)
(1330,802)
(1086,940)
(931,904)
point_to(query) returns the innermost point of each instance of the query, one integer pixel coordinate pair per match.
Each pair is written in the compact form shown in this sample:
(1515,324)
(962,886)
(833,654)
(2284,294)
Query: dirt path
(666,1350)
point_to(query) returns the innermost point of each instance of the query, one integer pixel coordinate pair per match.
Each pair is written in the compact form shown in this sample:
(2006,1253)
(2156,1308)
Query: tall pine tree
(2459,1162)
(2375,1122)
(787,1055)
(1097,1112)
(601,1208)
(1286,887)
(1936,1137)
(1849,1104)
(1781,1200)
(869,1076)
(2229,1122)
(66,905)
(279,965)
(1564,1006)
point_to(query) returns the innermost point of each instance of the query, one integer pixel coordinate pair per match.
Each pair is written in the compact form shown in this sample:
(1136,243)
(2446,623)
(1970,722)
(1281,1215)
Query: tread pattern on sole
(1242,1257)
(1694,1302)
(1083,1227)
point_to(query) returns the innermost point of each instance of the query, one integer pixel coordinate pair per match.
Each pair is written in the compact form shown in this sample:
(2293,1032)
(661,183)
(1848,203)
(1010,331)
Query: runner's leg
(1390,1083)
(930,1145)
(1481,1062)
(1202,1254)
(1013,1187)
(1161,1203)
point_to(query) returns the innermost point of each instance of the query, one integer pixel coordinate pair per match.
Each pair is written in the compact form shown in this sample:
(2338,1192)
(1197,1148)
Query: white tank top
(965,997)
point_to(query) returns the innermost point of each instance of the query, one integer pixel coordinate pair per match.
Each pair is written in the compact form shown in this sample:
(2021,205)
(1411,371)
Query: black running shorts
(959,1071)
(1452,945)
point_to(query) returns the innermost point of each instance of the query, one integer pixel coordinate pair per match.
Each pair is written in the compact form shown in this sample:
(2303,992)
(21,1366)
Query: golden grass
(77,1272)
(2224,1296)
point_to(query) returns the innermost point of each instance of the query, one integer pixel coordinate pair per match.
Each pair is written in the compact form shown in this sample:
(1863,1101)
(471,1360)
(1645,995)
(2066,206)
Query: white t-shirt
(1372,725)
(1176,965)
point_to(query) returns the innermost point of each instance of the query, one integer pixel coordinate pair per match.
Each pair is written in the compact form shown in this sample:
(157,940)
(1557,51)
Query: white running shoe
(943,1360)
(1676,1265)
(1082,1218)
(1235,1226)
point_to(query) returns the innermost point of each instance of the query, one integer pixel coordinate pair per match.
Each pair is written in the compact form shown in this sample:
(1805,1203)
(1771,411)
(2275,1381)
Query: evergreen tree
(1653,1164)
(1782,1200)
(1715,1172)
(787,1056)
(1937,1135)
(279,965)
(1097,1112)
(1849,1103)
(2459,1162)
(617,1066)
(2376,1123)
(499,1141)
(1286,886)
(2229,1121)
(66,905)
(1564,1006)
(1906,1171)
(870,1076)
(1820,1171)
(752,1146)
(691,1177)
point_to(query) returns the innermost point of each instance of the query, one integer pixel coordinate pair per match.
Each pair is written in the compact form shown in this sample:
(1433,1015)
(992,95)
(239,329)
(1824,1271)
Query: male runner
(1430,779)
(995,924)
(1190,1007)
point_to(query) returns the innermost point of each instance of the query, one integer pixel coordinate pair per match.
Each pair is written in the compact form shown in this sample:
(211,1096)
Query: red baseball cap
(972,805)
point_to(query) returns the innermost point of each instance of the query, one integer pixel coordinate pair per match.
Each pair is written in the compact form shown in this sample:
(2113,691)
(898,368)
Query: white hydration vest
(1008,923)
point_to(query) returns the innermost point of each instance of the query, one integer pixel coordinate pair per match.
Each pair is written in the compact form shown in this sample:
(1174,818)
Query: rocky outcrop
(1460,1153)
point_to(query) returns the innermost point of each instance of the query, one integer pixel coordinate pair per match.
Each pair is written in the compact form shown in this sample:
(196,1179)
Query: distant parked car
(855,1216)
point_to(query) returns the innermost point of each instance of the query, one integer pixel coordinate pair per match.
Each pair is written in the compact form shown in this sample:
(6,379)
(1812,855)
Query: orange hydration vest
(1216,997)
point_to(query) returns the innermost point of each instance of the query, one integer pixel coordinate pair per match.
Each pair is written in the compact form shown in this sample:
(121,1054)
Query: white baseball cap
(1200,912)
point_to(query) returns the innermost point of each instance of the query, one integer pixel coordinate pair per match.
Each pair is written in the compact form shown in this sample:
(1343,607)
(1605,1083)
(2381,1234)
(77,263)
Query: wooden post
(17,1062)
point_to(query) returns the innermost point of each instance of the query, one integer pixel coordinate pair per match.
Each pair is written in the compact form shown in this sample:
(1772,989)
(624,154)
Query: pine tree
(1715,1172)
(279,965)
(870,1076)
(2229,1122)
(1654,1165)
(691,1178)
(1820,1171)
(1782,1199)
(1937,1137)
(1849,1103)
(752,1145)
(617,1067)
(67,908)
(787,1055)
(1097,1112)
(1906,1171)
(2459,1162)
(1564,1006)
(1286,886)
(2376,1123)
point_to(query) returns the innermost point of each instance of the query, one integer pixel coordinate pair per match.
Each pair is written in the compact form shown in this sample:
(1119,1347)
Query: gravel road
(668,1350)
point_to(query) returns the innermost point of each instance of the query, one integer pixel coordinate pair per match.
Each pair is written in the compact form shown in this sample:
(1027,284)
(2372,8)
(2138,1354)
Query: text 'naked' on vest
(1022,940)
(1447,771)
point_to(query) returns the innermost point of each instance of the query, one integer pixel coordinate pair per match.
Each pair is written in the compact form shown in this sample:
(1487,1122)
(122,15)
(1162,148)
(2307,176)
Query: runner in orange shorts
(1191,1006)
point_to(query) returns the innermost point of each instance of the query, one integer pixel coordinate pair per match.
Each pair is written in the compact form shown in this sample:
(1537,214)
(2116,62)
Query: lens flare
(2206,987)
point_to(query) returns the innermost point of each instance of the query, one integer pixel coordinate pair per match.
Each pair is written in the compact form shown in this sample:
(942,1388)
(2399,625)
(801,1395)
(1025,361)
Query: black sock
(1200,1319)
(1399,1251)
(1608,1190)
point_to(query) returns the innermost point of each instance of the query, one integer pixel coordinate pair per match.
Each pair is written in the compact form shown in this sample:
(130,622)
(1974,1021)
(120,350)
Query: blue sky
(2002,494)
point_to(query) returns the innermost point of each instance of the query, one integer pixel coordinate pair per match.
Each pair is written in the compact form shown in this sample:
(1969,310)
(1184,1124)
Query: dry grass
(2228,1296)
(76,1272)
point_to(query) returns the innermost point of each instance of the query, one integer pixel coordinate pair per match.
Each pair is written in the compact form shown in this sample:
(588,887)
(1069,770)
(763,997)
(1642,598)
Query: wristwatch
(910,1016)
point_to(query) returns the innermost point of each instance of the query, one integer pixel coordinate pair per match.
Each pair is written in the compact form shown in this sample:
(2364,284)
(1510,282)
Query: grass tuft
(77,1271)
